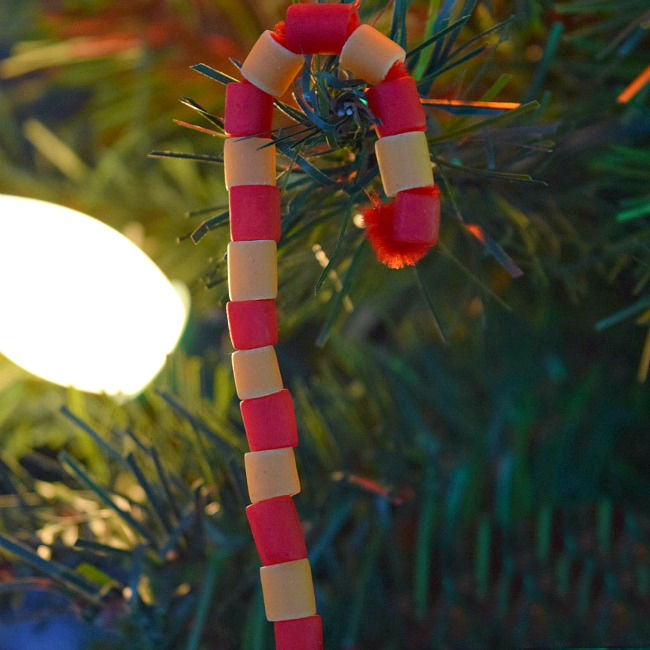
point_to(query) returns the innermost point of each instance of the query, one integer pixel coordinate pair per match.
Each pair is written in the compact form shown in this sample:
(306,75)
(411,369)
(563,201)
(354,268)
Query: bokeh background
(474,434)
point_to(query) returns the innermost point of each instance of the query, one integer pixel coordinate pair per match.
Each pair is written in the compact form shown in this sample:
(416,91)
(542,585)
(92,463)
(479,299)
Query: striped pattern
(267,409)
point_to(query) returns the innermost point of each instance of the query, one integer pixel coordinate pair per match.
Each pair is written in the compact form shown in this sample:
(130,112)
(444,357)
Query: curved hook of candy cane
(400,232)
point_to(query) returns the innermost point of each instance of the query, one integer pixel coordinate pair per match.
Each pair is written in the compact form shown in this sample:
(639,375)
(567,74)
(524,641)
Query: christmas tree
(472,428)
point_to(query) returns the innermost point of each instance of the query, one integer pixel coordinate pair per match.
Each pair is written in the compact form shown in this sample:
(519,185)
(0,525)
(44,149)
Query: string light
(80,304)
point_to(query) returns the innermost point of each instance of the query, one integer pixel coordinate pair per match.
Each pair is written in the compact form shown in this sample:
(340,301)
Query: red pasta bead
(276,530)
(249,110)
(252,323)
(398,70)
(396,104)
(417,216)
(299,634)
(270,421)
(255,212)
(319,28)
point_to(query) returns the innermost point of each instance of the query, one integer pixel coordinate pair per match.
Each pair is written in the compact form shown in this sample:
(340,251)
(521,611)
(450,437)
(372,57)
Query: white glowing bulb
(80,304)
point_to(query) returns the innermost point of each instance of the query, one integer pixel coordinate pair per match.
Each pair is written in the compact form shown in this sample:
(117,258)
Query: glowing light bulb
(80,304)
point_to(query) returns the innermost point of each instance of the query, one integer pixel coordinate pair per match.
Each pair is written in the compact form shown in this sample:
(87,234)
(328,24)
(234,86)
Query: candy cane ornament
(400,232)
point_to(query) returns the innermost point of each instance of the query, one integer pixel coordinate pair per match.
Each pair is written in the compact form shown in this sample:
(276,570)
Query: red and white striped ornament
(401,232)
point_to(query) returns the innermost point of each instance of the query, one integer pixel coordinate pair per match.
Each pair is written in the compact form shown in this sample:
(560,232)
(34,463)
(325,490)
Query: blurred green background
(474,440)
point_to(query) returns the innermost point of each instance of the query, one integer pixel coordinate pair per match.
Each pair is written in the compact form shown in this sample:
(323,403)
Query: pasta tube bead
(270,421)
(369,55)
(404,162)
(250,161)
(257,372)
(299,634)
(252,270)
(248,110)
(271,66)
(276,530)
(255,212)
(417,216)
(271,473)
(288,591)
(319,28)
(396,104)
(252,323)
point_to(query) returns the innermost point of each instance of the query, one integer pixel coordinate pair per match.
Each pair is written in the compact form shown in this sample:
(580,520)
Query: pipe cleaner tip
(279,33)
(402,232)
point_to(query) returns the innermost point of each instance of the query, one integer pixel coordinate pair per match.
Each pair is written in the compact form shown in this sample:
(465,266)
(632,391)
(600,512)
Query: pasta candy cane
(400,232)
